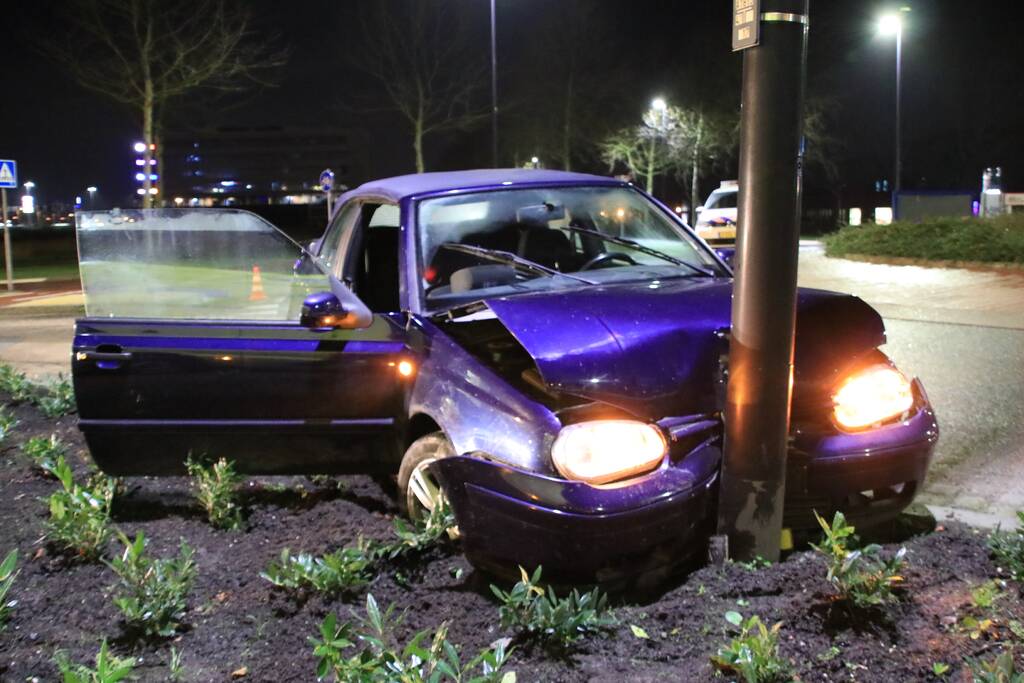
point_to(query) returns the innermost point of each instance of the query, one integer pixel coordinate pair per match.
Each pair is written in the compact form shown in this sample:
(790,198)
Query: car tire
(415,485)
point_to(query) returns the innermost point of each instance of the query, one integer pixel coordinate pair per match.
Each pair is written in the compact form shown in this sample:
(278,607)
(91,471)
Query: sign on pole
(746,24)
(8,174)
(326,184)
(8,180)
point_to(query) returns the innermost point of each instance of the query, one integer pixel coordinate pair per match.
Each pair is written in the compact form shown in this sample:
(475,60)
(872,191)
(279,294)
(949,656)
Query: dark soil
(237,620)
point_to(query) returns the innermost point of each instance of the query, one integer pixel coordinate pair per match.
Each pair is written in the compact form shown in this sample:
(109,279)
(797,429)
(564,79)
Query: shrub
(152,592)
(79,516)
(109,669)
(1000,669)
(543,615)
(998,239)
(860,576)
(58,398)
(7,423)
(215,486)
(419,535)
(753,654)
(16,384)
(1008,548)
(337,572)
(350,654)
(44,451)
(7,575)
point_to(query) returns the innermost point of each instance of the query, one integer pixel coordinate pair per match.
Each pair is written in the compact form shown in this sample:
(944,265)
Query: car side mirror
(700,208)
(727,254)
(323,310)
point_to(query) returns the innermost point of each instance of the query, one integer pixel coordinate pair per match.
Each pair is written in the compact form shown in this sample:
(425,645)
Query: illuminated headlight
(872,395)
(607,450)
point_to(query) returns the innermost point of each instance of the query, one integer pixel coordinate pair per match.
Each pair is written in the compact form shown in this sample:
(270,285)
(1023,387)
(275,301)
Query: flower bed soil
(238,623)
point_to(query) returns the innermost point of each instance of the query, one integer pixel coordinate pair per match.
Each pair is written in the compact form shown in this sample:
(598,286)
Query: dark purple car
(547,351)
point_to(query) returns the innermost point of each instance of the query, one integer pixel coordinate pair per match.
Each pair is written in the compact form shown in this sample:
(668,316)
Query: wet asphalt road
(962,334)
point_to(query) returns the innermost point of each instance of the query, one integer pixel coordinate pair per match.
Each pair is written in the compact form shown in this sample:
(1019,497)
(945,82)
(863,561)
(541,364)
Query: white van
(716,220)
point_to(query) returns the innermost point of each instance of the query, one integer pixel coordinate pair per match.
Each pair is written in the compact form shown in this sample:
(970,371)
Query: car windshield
(203,264)
(504,242)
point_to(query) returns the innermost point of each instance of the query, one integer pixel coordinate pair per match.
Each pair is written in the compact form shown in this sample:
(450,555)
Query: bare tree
(676,140)
(421,54)
(144,53)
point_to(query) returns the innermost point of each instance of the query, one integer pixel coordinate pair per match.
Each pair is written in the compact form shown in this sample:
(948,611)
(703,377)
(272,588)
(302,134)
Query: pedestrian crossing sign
(8,174)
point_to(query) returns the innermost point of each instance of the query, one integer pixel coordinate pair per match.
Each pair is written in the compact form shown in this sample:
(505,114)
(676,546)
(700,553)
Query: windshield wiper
(508,258)
(641,248)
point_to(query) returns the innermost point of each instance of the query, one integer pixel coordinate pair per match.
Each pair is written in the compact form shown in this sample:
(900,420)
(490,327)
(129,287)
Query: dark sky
(962,86)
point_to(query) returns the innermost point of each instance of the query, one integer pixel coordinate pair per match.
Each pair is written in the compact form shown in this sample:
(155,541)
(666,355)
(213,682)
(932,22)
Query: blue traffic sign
(8,174)
(327,180)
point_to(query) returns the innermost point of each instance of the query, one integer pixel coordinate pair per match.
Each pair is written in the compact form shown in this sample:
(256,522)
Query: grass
(989,240)
(47,271)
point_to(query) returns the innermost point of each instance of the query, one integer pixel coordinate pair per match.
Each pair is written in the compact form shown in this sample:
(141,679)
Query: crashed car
(546,352)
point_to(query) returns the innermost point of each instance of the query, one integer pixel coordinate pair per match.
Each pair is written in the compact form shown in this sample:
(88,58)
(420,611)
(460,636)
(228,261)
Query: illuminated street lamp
(889,25)
(28,187)
(92,189)
(659,105)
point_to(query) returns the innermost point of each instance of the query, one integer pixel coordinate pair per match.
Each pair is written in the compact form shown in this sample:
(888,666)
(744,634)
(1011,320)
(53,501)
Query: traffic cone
(257,293)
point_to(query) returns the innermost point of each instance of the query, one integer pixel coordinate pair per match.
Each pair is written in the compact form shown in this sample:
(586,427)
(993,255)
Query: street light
(889,25)
(658,104)
(92,189)
(28,186)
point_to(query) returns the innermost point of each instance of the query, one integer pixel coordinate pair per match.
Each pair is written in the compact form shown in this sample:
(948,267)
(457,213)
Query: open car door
(192,344)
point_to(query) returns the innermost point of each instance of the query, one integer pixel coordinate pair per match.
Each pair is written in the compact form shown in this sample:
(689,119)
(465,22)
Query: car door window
(191,264)
(371,265)
(331,244)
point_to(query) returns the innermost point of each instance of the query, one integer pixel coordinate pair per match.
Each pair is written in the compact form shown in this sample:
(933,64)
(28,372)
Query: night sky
(963,91)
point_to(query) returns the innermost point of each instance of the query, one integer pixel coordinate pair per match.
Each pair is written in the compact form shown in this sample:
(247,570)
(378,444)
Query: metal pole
(764,297)
(8,257)
(494,87)
(898,181)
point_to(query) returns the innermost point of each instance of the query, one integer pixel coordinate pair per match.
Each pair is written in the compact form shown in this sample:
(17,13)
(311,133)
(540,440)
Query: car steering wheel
(607,257)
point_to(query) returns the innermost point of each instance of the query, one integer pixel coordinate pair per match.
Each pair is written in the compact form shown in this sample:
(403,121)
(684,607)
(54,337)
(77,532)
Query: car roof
(399,187)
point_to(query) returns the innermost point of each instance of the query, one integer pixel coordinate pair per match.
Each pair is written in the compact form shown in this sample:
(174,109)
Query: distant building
(257,164)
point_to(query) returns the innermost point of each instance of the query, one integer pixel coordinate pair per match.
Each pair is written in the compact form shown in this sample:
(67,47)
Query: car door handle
(110,358)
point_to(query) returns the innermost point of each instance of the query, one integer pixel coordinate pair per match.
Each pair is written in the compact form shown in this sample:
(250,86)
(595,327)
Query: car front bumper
(577,532)
(655,523)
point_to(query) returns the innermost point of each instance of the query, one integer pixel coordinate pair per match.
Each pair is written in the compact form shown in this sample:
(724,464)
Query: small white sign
(8,174)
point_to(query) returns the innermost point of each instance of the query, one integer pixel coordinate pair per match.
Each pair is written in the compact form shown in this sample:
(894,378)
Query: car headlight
(607,450)
(872,395)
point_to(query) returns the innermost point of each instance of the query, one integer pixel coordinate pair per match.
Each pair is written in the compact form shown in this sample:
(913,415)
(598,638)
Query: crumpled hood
(657,348)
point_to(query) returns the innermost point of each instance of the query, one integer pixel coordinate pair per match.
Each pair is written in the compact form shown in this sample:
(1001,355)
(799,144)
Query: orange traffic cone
(257,293)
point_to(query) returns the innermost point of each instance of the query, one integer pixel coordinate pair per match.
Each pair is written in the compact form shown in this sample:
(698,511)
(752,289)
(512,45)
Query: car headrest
(479,277)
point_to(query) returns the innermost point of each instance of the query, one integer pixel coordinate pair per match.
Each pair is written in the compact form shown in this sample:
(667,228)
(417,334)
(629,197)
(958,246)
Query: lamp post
(92,189)
(659,105)
(892,24)
(494,87)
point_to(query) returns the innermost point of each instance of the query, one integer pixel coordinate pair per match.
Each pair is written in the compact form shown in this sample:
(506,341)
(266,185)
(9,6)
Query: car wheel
(419,492)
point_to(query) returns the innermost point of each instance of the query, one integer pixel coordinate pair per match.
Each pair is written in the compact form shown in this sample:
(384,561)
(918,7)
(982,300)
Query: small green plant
(419,535)
(753,654)
(58,398)
(7,575)
(860,577)
(1008,548)
(80,516)
(109,669)
(44,451)
(333,573)
(940,669)
(999,669)
(350,653)
(152,593)
(175,669)
(16,384)
(545,616)
(7,423)
(755,564)
(215,486)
